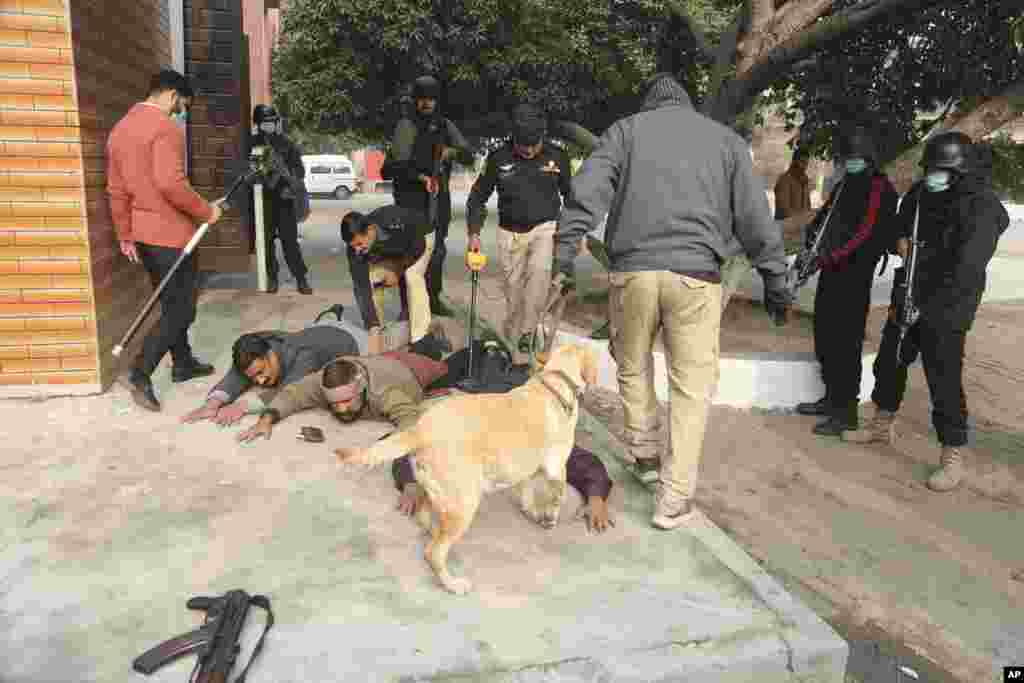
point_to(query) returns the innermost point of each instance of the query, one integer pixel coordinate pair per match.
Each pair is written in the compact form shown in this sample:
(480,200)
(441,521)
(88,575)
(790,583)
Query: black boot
(438,307)
(819,407)
(192,369)
(841,419)
(142,391)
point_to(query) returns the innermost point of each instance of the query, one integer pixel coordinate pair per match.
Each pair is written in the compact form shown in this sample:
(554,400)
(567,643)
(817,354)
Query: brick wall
(218,126)
(47,323)
(113,63)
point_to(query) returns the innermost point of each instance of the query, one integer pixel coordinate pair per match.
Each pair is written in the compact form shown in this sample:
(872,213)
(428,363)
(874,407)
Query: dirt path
(857,535)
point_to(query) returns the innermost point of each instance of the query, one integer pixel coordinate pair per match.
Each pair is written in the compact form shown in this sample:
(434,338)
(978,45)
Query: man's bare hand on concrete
(409,500)
(229,415)
(207,411)
(597,515)
(263,428)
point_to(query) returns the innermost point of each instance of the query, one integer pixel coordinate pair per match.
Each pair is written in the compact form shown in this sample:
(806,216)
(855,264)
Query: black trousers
(177,307)
(841,305)
(421,202)
(279,221)
(942,354)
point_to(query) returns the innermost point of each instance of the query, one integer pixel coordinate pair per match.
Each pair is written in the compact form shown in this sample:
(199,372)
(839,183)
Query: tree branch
(978,123)
(724,55)
(779,59)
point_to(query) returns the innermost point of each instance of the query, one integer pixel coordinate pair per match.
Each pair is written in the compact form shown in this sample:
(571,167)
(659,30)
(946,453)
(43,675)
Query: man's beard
(351,415)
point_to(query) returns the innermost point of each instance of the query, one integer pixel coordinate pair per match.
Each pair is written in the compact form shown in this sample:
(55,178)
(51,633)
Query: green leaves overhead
(344,64)
(907,75)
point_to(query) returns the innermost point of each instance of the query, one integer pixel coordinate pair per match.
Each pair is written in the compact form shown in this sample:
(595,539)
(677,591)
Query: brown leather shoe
(142,392)
(303,286)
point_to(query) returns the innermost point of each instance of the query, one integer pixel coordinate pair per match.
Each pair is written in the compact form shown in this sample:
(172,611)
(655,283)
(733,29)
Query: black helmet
(949,151)
(264,112)
(529,126)
(858,142)
(426,86)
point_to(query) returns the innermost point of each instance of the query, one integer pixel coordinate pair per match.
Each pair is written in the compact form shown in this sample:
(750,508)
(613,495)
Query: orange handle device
(476,260)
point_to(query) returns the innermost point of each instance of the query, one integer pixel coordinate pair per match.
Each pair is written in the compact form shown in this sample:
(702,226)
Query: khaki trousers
(525,260)
(687,312)
(416,291)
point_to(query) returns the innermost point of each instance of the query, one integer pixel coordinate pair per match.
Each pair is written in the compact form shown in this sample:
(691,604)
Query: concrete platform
(112,519)
(755,380)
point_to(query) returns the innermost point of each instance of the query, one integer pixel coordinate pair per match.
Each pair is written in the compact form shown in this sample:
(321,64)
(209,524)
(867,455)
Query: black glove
(777,298)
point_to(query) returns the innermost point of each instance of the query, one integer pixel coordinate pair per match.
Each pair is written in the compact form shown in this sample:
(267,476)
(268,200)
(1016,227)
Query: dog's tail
(391,448)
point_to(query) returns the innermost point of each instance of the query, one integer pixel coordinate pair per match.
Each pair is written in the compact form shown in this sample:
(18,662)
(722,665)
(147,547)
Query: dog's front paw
(351,458)
(458,585)
(346,455)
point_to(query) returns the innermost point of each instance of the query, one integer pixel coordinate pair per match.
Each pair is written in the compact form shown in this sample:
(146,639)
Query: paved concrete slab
(113,519)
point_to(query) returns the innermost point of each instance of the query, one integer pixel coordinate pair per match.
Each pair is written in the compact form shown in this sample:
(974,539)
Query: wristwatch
(275,415)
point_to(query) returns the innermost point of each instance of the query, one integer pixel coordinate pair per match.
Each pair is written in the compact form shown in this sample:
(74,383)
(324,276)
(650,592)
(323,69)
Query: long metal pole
(189,248)
(261,237)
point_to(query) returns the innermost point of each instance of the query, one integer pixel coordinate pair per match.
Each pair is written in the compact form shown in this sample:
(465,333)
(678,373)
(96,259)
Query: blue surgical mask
(855,165)
(180,118)
(938,181)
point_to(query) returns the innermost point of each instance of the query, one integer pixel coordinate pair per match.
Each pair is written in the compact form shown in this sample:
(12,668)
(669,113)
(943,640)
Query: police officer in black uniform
(855,238)
(960,220)
(278,202)
(410,168)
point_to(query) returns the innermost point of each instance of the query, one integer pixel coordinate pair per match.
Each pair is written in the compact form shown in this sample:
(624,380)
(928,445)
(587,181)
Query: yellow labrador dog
(473,444)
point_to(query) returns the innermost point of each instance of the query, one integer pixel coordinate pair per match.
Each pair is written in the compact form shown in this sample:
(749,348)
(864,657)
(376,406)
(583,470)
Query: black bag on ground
(493,369)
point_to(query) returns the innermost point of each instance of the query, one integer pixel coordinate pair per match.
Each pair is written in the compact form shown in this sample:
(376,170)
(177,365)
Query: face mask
(180,118)
(855,165)
(938,181)
(268,127)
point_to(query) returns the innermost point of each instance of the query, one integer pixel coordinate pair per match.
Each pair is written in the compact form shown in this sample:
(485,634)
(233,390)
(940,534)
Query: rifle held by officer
(215,642)
(436,154)
(908,313)
(806,263)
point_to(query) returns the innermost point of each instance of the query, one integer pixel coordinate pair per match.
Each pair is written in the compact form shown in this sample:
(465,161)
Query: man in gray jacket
(680,194)
(272,360)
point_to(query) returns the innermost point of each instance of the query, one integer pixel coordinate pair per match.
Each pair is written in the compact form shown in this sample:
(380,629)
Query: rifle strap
(262,602)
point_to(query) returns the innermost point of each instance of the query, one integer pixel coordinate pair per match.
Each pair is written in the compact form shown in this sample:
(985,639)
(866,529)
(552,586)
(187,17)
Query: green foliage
(346,65)
(317,142)
(900,76)
(1008,167)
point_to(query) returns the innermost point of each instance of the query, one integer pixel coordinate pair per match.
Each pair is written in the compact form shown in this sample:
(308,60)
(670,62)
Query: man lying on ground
(390,386)
(272,360)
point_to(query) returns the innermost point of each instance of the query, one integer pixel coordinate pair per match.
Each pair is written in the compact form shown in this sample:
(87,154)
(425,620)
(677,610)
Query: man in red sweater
(155,212)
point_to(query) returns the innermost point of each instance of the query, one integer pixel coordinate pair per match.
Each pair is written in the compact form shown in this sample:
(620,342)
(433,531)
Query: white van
(332,174)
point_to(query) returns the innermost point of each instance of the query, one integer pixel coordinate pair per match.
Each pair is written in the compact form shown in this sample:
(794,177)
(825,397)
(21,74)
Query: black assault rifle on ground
(215,642)
(908,313)
(806,263)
